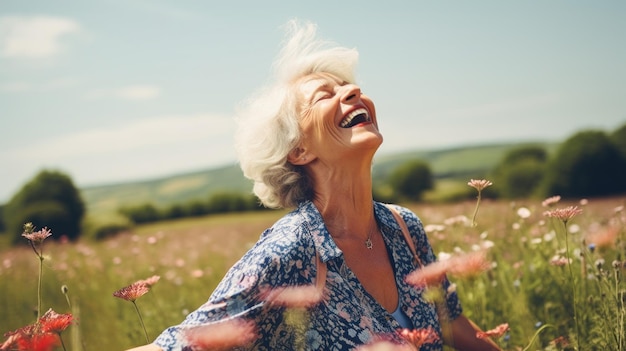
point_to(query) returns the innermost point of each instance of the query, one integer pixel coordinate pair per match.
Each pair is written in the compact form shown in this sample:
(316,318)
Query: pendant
(368,243)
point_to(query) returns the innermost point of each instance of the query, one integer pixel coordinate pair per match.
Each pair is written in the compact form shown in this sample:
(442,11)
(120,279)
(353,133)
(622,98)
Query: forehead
(314,81)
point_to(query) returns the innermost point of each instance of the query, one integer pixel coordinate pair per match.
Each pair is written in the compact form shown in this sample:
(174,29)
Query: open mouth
(354,118)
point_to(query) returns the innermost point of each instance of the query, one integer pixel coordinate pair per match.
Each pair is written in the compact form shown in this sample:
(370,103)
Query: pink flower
(493,333)
(384,345)
(37,237)
(551,201)
(419,337)
(460,266)
(293,296)
(564,214)
(132,292)
(222,336)
(559,261)
(149,281)
(479,184)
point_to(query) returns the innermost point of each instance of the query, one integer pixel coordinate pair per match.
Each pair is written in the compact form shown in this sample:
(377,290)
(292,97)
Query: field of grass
(524,287)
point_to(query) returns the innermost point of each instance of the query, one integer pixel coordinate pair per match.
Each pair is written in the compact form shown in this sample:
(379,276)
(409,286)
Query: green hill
(450,163)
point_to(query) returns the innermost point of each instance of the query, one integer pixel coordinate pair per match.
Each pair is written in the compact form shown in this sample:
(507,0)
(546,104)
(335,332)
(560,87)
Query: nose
(350,93)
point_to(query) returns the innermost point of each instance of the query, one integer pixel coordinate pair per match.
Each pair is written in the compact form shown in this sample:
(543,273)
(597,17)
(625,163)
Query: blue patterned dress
(348,317)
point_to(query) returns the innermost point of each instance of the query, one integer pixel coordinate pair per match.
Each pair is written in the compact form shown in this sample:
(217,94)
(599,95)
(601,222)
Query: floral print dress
(348,316)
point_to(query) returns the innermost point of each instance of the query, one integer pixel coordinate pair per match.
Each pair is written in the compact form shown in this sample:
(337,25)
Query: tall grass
(525,287)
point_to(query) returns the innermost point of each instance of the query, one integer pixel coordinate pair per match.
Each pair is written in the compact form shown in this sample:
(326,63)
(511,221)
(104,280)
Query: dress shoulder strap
(405,233)
(320,276)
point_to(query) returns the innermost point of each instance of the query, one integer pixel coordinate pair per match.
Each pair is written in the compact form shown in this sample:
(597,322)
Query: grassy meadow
(526,287)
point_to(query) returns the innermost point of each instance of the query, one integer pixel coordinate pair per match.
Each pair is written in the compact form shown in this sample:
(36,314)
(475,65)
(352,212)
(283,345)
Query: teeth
(347,119)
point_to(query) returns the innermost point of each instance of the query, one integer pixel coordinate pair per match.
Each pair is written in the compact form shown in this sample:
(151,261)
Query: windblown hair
(268,122)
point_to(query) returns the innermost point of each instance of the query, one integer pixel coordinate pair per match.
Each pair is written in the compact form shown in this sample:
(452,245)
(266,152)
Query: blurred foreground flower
(134,291)
(419,337)
(293,296)
(44,335)
(461,266)
(385,346)
(493,333)
(222,336)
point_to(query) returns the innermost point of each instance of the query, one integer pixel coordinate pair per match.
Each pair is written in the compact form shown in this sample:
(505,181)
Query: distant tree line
(588,164)
(217,203)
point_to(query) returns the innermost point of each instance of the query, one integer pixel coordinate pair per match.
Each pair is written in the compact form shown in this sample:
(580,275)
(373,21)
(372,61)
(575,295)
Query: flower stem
(536,335)
(571,273)
(141,320)
(62,343)
(476,209)
(39,286)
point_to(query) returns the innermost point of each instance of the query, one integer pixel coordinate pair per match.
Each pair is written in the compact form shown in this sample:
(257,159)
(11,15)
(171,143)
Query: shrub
(50,199)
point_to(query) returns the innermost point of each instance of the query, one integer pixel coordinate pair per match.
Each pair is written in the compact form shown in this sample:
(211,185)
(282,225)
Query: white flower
(523,212)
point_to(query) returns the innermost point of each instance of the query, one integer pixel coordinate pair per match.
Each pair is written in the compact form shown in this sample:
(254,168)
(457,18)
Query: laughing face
(336,118)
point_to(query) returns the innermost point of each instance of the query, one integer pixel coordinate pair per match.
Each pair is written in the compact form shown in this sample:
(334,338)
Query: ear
(299,156)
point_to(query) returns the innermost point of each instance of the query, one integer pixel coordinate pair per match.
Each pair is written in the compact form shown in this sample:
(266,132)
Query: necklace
(368,242)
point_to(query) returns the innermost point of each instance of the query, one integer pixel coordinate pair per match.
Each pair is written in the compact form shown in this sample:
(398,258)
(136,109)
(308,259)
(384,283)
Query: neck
(344,199)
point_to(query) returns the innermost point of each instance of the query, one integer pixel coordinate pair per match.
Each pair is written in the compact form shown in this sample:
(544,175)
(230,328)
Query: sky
(121,90)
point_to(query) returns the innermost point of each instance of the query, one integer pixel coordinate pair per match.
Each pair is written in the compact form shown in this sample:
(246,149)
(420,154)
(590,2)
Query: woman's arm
(149,347)
(464,336)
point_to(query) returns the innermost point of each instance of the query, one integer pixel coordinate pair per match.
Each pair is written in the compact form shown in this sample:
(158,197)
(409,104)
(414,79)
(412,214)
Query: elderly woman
(307,141)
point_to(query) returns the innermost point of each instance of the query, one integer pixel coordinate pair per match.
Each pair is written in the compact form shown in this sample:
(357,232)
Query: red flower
(132,292)
(222,336)
(55,322)
(39,342)
(493,333)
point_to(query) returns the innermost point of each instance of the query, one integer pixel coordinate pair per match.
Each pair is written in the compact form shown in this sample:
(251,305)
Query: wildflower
(468,265)
(385,345)
(135,291)
(419,337)
(293,297)
(37,238)
(132,292)
(560,341)
(603,238)
(479,184)
(222,336)
(493,333)
(460,266)
(55,322)
(149,281)
(559,261)
(564,214)
(551,201)
(39,342)
(523,212)
(30,338)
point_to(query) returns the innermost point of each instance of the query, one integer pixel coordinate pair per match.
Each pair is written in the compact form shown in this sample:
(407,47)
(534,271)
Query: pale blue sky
(117,90)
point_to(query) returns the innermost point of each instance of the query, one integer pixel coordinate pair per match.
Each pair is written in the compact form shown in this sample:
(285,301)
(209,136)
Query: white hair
(268,122)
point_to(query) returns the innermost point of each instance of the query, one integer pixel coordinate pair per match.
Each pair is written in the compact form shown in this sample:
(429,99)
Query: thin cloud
(131,92)
(139,92)
(54,84)
(34,36)
(140,135)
